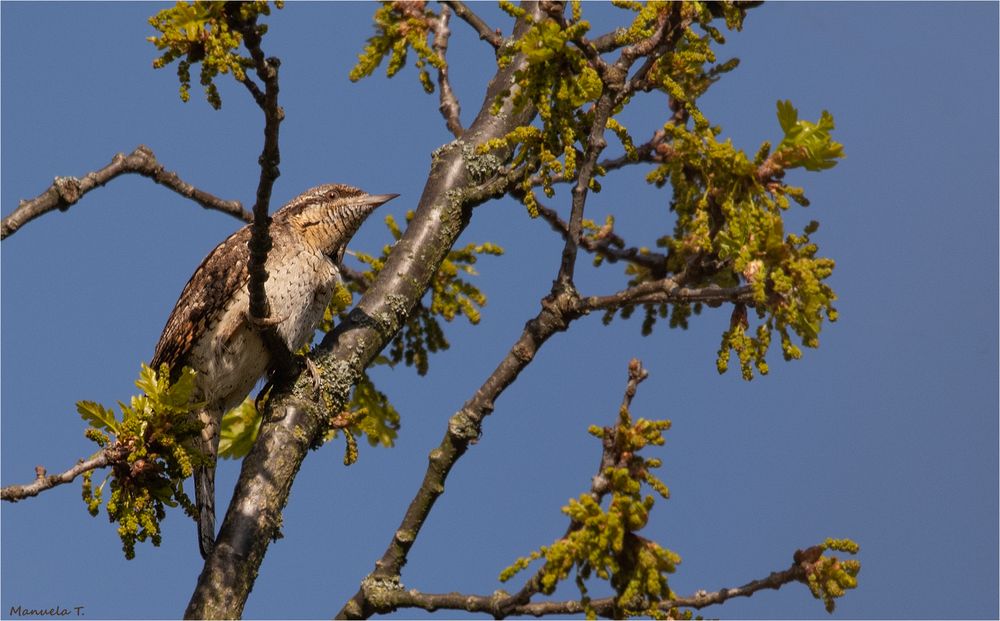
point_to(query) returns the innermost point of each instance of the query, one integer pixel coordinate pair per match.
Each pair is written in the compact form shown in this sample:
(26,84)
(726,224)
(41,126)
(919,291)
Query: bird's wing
(213,284)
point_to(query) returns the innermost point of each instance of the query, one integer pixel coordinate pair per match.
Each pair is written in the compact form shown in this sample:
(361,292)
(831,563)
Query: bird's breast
(232,357)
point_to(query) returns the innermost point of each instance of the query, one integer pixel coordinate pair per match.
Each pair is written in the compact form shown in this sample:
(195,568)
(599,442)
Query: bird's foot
(264,322)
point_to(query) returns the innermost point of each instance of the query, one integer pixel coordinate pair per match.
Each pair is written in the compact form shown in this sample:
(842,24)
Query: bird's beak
(379,199)
(353,213)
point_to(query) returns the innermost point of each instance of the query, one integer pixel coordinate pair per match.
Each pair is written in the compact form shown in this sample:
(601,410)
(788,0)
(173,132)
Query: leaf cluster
(686,70)
(203,32)
(400,26)
(559,82)
(604,542)
(729,228)
(154,452)
(828,577)
(730,231)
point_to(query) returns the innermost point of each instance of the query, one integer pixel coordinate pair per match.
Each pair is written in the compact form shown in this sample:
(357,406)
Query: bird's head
(328,215)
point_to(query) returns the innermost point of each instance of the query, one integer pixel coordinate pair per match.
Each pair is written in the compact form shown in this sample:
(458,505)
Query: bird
(210,329)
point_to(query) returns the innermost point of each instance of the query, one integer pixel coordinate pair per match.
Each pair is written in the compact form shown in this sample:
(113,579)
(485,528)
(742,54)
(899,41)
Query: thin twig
(772,170)
(43,481)
(636,375)
(615,89)
(67,191)
(608,244)
(671,26)
(608,41)
(666,291)
(352,275)
(490,35)
(647,46)
(255,92)
(595,144)
(450,108)
(584,44)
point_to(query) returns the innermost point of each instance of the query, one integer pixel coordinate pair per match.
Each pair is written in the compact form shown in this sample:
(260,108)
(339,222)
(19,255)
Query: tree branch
(595,144)
(67,191)
(255,92)
(464,428)
(490,35)
(43,481)
(608,41)
(450,109)
(350,274)
(292,421)
(260,235)
(666,291)
(391,599)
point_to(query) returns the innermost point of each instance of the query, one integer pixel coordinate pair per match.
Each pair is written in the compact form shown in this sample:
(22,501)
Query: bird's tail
(204,481)
(204,497)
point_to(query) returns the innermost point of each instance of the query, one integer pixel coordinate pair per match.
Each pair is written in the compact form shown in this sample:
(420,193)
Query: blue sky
(887,434)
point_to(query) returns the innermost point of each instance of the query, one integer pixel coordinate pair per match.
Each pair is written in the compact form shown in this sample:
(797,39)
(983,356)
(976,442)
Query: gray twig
(104,457)
(67,191)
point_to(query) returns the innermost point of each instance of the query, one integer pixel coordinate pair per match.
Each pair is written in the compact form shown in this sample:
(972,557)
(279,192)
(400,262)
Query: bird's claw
(317,380)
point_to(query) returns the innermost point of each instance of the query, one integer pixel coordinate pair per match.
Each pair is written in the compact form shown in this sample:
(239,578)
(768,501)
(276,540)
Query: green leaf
(807,144)
(147,381)
(788,116)
(97,415)
(239,430)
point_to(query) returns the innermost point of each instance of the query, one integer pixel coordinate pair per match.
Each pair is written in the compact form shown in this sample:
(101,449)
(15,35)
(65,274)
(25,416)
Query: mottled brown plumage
(209,329)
